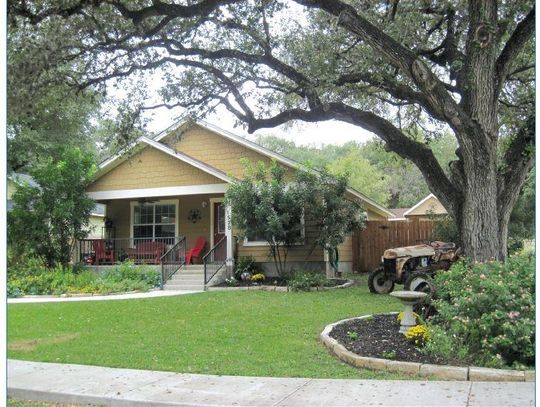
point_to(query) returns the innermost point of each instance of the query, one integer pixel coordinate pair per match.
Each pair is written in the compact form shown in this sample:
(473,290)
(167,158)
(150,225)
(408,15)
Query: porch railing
(215,259)
(110,251)
(172,261)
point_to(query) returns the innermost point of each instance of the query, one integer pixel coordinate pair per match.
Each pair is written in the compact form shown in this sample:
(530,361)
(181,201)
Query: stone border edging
(470,373)
(347,284)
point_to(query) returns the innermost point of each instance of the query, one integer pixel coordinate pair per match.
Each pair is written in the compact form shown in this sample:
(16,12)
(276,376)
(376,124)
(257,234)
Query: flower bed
(336,284)
(387,358)
(35,279)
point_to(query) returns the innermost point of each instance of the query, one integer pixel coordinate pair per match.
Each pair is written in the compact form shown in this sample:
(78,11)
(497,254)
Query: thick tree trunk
(479,212)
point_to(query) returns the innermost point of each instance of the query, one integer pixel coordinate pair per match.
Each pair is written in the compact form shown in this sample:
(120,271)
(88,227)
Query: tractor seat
(437,244)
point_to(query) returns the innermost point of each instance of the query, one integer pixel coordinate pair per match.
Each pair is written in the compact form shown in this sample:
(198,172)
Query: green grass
(252,333)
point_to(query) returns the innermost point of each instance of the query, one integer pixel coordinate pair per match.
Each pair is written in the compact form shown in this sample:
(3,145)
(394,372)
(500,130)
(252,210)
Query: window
(153,220)
(221,219)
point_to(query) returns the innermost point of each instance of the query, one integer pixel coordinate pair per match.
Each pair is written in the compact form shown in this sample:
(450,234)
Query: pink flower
(513,314)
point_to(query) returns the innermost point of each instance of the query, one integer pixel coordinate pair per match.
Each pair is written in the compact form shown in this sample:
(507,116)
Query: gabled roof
(187,159)
(20,179)
(419,204)
(399,212)
(182,124)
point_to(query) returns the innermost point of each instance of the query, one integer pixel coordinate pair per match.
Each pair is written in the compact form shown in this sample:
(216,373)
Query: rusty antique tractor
(412,266)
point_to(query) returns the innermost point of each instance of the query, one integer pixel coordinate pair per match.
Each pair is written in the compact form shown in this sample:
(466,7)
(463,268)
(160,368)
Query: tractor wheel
(422,282)
(378,283)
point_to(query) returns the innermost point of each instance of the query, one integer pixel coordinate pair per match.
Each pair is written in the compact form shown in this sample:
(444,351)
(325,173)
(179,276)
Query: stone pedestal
(408,299)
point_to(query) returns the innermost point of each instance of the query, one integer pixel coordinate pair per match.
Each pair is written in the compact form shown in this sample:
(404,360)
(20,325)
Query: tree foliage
(327,207)
(362,176)
(45,112)
(268,205)
(264,206)
(381,175)
(463,66)
(47,219)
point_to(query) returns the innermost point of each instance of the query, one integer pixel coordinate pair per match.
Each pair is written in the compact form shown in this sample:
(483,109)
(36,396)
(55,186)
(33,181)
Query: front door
(219,230)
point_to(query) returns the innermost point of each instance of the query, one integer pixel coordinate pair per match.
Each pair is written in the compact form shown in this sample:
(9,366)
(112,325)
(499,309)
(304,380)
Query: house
(172,187)
(14,180)
(423,210)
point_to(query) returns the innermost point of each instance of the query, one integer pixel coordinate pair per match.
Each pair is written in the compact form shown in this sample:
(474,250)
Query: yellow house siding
(430,206)
(193,230)
(96,223)
(11,188)
(346,249)
(299,253)
(151,168)
(120,213)
(374,216)
(217,151)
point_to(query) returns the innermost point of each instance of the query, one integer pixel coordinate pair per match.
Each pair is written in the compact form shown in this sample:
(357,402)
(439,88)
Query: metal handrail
(172,261)
(209,259)
(112,250)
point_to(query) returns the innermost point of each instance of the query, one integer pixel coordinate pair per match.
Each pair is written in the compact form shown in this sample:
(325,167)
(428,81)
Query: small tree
(333,214)
(264,206)
(48,219)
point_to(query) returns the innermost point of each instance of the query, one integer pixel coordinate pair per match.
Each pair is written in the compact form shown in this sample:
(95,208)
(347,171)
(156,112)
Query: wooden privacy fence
(369,244)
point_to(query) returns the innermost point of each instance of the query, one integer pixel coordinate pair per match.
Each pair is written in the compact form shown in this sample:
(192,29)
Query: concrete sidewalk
(149,294)
(127,387)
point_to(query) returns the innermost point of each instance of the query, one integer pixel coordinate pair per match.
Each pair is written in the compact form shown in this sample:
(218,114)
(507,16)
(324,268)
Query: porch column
(228,234)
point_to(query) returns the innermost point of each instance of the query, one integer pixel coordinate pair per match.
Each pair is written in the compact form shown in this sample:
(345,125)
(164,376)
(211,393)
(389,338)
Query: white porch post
(228,234)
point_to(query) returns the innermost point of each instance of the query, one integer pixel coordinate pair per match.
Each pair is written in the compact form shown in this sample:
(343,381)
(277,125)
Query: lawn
(252,333)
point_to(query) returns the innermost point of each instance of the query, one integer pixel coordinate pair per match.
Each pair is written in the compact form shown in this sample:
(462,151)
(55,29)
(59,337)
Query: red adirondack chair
(196,250)
(102,253)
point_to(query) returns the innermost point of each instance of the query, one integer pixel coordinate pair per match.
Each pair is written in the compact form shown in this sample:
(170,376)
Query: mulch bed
(279,282)
(379,337)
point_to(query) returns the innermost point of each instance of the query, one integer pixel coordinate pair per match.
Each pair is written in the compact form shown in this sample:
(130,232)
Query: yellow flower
(419,334)
(258,277)
(400,316)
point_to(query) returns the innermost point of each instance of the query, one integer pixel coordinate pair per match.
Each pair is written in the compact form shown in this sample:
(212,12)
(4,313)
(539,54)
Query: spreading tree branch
(523,33)
(517,163)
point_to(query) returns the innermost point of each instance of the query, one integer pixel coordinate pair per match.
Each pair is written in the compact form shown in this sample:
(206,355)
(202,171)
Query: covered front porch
(170,226)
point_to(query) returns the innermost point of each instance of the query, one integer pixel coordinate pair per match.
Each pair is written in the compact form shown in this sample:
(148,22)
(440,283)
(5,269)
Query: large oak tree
(386,66)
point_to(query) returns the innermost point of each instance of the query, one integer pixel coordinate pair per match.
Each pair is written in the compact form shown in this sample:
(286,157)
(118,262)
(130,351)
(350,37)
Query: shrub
(48,217)
(127,271)
(445,346)
(233,282)
(25,266)
(304,281)
(245,265)
(490,308)
(32,277)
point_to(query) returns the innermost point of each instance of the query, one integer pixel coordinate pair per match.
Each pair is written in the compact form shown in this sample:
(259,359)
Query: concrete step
(186,280)
(182,274)
(193,267)
(184,287)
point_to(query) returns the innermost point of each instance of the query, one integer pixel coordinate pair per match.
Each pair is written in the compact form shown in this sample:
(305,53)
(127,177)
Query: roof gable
(211,162)
(153,167)
(429,204)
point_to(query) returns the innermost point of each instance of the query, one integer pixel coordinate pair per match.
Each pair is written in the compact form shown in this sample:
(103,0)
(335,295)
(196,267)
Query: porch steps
(188,278)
